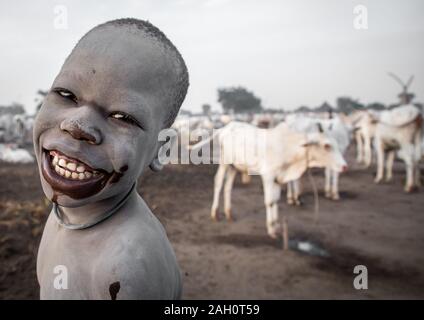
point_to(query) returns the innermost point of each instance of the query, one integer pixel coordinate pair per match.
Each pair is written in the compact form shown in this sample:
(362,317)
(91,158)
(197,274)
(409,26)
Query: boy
(94,135)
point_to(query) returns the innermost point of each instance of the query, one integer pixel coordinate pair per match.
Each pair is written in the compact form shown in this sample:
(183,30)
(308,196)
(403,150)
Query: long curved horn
(397,79)
(410,81)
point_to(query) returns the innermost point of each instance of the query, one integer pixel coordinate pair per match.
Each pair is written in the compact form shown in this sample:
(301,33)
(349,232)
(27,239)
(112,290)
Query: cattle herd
(280,148)
(16,138)
(291,143)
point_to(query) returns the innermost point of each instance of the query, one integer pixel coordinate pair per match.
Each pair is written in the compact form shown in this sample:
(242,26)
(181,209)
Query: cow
(364,127)
(12,153)
(340,131)
(399,130)
(278,155)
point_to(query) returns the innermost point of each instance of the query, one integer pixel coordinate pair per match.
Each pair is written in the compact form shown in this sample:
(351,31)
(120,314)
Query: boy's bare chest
(71,263)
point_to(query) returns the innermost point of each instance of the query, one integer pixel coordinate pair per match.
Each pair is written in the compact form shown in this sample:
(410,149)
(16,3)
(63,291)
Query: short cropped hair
(181,86)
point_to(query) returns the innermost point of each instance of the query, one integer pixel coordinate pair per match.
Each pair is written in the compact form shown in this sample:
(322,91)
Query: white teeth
(71,166)
(62,162)
(71,170)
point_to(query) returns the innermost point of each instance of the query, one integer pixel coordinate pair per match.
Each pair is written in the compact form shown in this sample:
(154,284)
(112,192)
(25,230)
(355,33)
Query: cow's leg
(296,192)
(245,178)
(229,181)
(359,147)
(408,157)
(272,193)
(418,154)
(219,179)
(275,220)
(290,200)
(380,161)
(327,187)
(409,185)
(335,185)
(417,174)
(389,165)
(285,234)
(367,150)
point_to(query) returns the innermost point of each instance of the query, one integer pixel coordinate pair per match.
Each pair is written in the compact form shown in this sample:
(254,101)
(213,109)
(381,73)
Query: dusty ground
(376,226)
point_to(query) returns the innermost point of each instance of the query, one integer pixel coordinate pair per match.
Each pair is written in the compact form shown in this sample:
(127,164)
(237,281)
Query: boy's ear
(155,165)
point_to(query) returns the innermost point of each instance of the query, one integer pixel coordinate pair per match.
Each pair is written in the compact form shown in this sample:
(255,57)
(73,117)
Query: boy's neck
(92,211)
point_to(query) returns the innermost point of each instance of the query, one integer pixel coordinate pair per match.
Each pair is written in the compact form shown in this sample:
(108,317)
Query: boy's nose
(81,131)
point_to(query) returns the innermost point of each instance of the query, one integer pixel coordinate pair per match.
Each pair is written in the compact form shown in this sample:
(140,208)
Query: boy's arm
(141,273)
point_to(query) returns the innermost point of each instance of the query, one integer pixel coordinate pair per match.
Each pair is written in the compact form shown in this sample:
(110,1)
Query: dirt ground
(378,226)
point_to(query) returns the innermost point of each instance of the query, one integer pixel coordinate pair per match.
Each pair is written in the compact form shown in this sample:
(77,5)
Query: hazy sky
(290,53)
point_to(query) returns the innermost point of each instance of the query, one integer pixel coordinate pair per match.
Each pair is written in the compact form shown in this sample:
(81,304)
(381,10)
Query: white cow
(336,128)
(365,126)
(341,132)
(399,130)
(11,153)
(16,128)
(278,155)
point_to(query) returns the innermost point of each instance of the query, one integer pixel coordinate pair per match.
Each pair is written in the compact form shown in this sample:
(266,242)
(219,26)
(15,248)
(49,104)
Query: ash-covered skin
(105,110)
(131,77)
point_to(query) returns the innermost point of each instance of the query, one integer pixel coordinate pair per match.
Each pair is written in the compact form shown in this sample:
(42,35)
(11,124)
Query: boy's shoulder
(140,260)
(140,228)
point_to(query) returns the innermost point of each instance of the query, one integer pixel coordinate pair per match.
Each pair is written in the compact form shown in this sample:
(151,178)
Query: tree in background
(376,106)
(325,107)
(14,108)
(206,108)
(348,105)
(303,109)
(238,100)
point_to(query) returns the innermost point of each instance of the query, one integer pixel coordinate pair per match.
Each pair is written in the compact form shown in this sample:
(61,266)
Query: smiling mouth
(71,176)
(70,168)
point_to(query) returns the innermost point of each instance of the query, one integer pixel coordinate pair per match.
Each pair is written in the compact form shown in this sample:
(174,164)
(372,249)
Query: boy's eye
(64,93)
(125,117)
(327,146)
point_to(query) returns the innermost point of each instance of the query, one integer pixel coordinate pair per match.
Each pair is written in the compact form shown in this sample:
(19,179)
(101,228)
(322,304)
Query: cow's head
(322,151)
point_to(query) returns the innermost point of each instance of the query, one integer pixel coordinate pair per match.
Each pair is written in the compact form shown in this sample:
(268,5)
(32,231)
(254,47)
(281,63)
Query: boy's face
(98,126)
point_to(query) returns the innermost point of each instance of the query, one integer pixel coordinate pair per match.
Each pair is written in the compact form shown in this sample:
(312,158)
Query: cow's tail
(418,138)
(205,141)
